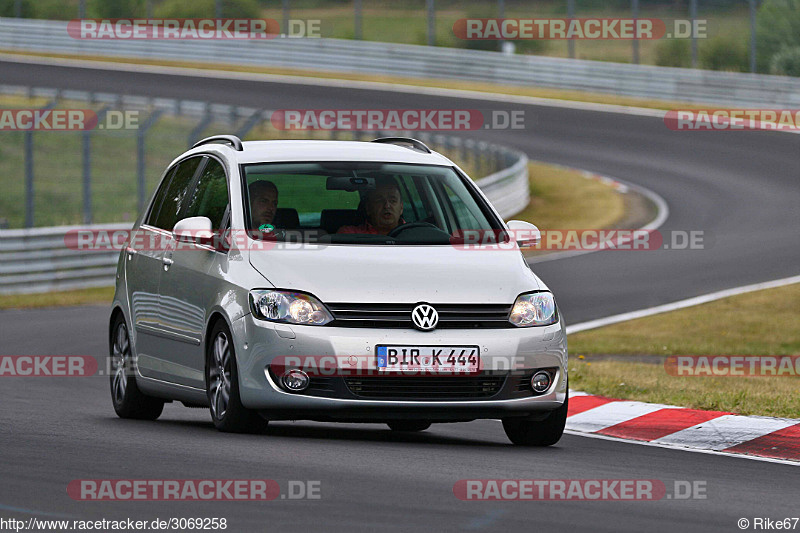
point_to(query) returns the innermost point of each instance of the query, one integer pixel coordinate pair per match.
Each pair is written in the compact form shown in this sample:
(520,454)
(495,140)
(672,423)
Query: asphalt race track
(740,188)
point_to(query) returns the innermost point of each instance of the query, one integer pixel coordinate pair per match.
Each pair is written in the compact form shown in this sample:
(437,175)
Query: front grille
(426,388)
(451,316)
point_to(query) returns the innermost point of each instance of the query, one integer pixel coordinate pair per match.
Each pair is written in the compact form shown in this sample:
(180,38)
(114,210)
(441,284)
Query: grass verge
(715,328)
(564,199)
(722,327)
(765,396)
(98,295)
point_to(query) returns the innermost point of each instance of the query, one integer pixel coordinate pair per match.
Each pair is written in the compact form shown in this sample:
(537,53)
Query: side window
(210,197)
(174,194)
(159,197)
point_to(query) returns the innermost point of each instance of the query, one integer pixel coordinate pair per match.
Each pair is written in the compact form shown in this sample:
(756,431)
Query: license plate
(434,359)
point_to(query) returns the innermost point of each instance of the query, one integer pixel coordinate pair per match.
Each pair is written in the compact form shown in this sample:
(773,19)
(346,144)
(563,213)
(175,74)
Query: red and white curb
(692,429)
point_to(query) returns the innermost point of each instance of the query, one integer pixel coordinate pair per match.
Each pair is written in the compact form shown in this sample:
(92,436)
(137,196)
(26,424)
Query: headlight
(289,307)
(534,309)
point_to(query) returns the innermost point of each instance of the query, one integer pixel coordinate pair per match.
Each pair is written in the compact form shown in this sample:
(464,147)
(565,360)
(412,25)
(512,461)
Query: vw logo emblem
(424,317)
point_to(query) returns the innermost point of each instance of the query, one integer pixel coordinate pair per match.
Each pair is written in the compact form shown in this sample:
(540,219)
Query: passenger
(263,203)
(383,209)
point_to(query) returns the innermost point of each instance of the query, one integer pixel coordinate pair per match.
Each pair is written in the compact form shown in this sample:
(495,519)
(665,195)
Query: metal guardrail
(508,189)
(663,83)
(38,259)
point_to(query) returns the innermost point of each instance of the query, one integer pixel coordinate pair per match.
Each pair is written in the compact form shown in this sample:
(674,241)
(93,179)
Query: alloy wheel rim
(220,376)
(120,357)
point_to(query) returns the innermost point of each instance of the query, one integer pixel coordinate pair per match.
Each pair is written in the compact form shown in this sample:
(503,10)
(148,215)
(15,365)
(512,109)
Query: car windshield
(363,203)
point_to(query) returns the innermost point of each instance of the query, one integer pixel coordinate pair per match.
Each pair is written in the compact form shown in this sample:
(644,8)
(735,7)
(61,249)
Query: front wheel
(538,432)
(128,400)
(222,386)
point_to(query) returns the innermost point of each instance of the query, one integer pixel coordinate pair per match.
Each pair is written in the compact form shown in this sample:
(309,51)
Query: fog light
(295,380)
(540,381)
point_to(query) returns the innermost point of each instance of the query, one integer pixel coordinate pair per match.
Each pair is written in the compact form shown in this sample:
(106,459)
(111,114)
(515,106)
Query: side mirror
(526,234)
(194,229)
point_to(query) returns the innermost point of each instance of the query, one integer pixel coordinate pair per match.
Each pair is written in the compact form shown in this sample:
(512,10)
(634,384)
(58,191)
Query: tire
(222,386)
(128,400)
(538,432)
(408,425)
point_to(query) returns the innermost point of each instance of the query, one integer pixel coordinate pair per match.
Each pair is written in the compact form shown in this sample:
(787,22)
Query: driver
(263,203)
(383,207)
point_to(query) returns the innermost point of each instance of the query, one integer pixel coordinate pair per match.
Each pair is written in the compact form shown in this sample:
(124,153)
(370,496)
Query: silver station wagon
(334,281)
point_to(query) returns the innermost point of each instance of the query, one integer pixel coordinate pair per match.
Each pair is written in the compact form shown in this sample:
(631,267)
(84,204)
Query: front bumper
(510,352)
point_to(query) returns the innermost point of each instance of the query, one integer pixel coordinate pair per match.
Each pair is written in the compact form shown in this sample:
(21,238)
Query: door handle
(167,261)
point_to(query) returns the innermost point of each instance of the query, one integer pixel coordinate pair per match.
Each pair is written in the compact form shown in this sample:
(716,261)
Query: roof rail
(233,140)
(404,141)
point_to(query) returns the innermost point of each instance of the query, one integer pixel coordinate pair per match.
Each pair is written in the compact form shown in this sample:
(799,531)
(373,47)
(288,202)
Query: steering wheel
(410,225)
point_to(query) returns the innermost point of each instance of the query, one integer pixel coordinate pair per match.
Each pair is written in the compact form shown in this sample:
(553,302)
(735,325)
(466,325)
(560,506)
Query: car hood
(407,274)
